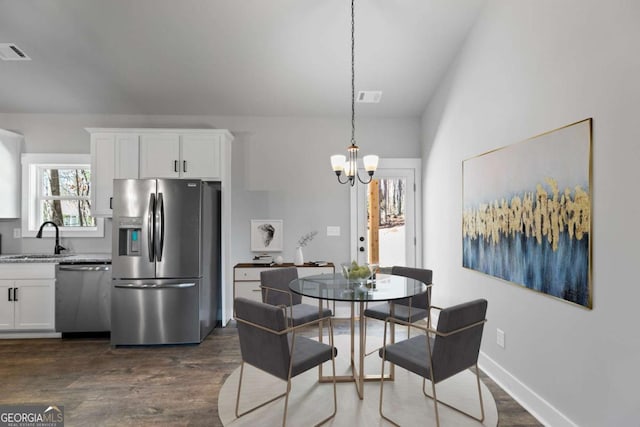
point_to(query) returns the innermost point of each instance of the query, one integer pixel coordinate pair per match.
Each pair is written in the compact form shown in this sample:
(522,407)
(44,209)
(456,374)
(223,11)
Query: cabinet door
(200,156)
(113,155)
(127,156)
(160,156)
(6,306)
(34,305)
(102,172)
(10,147)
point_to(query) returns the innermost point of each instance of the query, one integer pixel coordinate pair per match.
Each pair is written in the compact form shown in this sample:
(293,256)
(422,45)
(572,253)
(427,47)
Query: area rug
(310,401)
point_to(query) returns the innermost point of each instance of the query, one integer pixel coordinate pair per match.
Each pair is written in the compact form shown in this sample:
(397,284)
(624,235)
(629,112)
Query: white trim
(546,413)
(189,131)
(28,222)
(23,335)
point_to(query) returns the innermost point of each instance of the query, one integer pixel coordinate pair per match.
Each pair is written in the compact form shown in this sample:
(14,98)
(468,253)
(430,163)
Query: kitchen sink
(34,256)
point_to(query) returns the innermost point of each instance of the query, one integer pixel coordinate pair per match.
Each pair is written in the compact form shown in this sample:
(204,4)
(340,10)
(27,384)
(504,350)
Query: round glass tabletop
(385,287)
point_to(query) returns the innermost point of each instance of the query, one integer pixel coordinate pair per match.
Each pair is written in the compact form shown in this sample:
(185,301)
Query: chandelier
(347,166)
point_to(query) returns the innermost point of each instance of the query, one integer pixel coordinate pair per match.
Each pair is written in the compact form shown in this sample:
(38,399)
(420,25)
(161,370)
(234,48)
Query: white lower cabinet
(27,303)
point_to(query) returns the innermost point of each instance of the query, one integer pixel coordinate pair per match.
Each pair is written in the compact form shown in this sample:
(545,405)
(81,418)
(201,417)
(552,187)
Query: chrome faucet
(58,247)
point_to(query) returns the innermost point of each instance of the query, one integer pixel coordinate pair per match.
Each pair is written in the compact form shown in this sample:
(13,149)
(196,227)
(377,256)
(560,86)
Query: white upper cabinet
(200,155)
(113,155)
(10,148)
(160,156)
(180,155)
(154,153)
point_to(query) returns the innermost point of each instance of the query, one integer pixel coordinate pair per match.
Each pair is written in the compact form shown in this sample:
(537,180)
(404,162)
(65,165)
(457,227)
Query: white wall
(527,67)
(280,170)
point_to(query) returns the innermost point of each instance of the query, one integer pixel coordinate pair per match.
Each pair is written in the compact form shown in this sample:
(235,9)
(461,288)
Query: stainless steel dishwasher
(83,297)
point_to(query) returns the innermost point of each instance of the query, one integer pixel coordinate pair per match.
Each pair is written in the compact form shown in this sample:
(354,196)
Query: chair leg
(479,395)
(286,402)
(333,366)
(434,397)
(435,402)
(384,355)
(335,392)
(238,415)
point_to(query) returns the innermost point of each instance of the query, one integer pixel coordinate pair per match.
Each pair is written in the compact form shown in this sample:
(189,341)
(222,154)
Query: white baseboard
(546,413)
(23,335)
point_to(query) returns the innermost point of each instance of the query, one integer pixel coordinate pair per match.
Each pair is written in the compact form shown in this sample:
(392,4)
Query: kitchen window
(57,188)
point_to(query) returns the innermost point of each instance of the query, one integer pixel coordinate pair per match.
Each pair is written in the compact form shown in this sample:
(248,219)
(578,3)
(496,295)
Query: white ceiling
(227,57)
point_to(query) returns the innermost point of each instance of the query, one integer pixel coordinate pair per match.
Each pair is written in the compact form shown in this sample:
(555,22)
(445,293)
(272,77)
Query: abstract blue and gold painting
(527,213)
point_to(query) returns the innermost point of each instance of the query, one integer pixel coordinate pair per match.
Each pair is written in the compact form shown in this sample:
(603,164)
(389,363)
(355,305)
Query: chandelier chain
(346,168)
(353,78)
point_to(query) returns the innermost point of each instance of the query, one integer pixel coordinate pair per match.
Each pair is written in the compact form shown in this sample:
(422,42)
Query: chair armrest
(402,322)
(290,306)
(313,322)
(431,330)
(264,328)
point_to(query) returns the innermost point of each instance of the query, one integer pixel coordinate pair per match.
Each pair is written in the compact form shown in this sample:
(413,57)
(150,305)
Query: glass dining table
(335,287)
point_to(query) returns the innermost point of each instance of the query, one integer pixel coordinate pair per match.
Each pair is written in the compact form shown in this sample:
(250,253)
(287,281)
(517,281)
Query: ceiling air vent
(369,96)
(11,52)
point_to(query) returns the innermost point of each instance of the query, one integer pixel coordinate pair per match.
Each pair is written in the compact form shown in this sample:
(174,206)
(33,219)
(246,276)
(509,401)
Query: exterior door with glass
(384,228)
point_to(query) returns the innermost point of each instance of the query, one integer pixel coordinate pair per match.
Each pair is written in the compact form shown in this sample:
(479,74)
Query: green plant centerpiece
(357,273)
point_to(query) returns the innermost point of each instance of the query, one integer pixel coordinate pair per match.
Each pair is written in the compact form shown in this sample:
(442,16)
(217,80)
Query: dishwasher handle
(84,267)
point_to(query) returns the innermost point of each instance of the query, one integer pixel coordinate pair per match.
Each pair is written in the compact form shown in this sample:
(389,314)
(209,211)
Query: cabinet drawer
(28,270)
(245,274)
(249,290)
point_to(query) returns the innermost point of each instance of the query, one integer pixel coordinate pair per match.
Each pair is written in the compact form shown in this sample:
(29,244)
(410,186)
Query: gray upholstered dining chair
(442,353)
(268,343)
(409,309)
(275,291)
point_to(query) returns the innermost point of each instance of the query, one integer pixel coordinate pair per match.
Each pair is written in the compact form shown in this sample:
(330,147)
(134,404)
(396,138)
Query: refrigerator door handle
(159,227)
(150,227)
(156,286)
(84,267)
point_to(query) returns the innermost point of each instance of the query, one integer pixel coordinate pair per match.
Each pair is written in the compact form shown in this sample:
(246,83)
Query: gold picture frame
(527,213)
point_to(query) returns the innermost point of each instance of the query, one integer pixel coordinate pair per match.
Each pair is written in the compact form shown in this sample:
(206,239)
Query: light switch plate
(333,230)
(16,233)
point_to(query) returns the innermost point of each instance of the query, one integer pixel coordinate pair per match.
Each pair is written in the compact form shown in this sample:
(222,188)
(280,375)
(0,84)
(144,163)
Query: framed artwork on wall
(266,235)
(527,213)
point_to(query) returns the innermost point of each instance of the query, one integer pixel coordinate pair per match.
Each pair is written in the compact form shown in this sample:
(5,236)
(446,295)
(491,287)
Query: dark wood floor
(143,386)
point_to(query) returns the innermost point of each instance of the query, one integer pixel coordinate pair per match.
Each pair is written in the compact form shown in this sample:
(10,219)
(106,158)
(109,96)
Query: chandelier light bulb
(370,163)
(338,163)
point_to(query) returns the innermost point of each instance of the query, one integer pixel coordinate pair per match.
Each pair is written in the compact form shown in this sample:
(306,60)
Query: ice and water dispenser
(129,236)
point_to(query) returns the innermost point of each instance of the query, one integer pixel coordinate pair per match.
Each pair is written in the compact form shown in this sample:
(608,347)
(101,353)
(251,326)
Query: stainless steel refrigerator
(166,261)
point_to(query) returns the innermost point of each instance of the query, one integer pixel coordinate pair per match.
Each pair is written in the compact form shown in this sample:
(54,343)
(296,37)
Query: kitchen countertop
(58,259)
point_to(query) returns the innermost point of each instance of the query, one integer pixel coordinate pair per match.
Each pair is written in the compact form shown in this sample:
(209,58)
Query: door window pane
(386,219)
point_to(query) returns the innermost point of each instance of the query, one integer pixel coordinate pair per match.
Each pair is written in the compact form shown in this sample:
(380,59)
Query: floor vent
(11,52)
(369,96)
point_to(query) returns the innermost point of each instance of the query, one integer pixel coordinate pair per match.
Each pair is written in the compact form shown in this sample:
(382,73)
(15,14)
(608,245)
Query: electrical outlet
(500,337)
(16,233)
